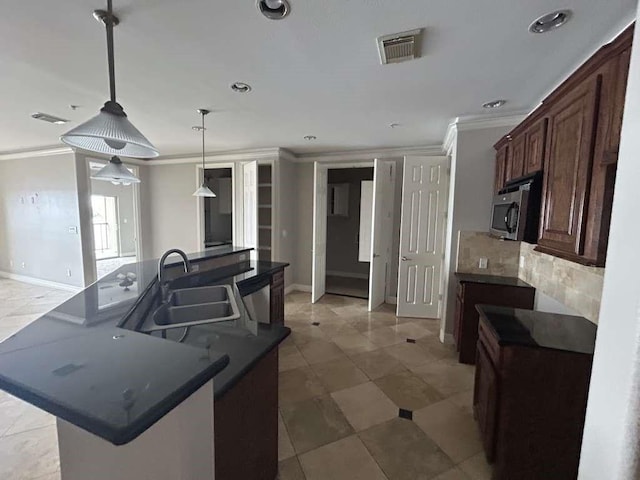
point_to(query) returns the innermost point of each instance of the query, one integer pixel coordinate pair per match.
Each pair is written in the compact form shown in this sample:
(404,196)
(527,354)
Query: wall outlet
(521,261)
(68,272)
(483,262)
(23,265)
(11,263)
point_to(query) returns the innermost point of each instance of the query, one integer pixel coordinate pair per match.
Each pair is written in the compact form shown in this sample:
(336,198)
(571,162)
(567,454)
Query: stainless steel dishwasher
(256,297)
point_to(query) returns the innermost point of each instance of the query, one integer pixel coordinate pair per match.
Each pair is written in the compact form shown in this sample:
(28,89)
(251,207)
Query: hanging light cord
(203,172)
(110,52)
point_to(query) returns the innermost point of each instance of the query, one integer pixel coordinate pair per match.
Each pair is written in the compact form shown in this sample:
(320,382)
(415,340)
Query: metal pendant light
(116,173)
(110,132)
(203,191)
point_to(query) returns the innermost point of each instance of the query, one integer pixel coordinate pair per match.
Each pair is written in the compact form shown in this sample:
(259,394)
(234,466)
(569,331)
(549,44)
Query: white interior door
(366,219)
(319,267)
(424,202)
(250,207)
(384,178)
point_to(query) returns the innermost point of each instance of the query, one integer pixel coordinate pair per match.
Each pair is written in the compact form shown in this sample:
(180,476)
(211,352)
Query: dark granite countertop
(491,280)
(85,362)
(530,328)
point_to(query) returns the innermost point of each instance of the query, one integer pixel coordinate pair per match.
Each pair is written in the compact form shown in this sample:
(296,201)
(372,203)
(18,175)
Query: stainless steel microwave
(515,212)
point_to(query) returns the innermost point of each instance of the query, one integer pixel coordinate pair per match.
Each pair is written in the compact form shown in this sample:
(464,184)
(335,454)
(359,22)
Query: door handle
(405,259)
(375,255)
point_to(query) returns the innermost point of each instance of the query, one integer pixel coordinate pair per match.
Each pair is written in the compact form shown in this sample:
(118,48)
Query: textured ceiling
(315,73)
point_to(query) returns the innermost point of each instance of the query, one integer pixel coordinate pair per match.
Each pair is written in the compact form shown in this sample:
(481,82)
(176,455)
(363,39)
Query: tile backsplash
(574,285)
(502,255)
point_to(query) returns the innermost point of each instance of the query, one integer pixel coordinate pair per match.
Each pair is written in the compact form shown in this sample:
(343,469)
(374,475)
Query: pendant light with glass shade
(110,132)
(203,191)
(116,173)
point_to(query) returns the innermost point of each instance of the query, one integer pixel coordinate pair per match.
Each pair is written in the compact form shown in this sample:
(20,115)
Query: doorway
(218,210)
(349,214)
(115,223)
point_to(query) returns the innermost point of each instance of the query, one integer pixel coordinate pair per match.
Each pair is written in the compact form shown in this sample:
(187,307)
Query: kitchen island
(134,403)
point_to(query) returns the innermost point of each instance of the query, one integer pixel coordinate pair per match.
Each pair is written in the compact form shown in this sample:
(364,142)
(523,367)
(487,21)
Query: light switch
(483,263)
(73,230)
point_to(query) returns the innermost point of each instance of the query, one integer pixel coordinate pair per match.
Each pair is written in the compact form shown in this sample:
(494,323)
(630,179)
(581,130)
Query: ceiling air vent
(399,47)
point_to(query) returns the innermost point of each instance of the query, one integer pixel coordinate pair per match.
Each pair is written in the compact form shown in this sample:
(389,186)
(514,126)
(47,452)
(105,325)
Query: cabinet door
(568,167)
(515,159)
(277,298)
(618,103)
(485,400)
(535,147)
(457,328)
(501,164)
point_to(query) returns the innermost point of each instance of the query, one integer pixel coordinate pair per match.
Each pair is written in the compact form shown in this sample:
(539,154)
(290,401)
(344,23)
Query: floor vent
(399,47)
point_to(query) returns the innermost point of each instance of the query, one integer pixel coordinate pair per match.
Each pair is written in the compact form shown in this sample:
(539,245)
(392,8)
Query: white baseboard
(39,282)
(391,300)
(362,276)
(297,288)
(447,338)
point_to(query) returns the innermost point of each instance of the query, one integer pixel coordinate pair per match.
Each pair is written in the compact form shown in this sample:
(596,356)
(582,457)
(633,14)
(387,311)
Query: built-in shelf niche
(265,211)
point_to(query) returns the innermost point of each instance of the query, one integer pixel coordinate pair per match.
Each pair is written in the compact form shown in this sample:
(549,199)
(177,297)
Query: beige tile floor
(341,385)
(344,375)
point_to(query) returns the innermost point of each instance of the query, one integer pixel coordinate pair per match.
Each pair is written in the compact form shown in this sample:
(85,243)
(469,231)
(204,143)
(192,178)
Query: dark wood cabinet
(501,166)
(515,159)
(567,167)
(505,291)
(574,137)
(485,394)
(530,404)
(536,138)
(276,293)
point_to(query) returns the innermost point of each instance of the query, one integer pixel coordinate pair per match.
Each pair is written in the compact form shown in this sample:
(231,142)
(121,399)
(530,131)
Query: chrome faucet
(185,262)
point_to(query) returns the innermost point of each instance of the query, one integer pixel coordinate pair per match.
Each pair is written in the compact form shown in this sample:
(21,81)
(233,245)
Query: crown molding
(213,157)
(351,155)
(38,152)
(480,122)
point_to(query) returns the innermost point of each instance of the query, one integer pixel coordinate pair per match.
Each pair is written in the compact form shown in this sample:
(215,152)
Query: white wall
(287,215)
(612,431)
(470,196)
(172,208)
(38,205)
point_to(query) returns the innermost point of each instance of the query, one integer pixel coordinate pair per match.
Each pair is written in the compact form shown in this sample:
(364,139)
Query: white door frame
(200,201)
(326,167)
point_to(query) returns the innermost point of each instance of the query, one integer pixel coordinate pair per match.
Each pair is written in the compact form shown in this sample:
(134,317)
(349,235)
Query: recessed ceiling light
(494,104)
(310,137)
(241,87)
(274,9)
(550,21)
(45,117)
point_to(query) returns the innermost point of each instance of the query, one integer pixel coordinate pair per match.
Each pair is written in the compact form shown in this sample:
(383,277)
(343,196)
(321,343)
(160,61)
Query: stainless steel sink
(200,295)
(195,306)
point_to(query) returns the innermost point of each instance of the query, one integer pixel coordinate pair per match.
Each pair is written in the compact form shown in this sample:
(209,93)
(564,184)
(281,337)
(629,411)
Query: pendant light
(110,132)
(116,173)
(203,191)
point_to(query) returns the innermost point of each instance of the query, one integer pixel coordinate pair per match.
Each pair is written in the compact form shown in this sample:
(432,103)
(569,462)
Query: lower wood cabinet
(504,291)
(530,405)
(276,293)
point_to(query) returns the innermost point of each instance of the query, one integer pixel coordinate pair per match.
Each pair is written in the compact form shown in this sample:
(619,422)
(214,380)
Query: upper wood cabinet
(516,157)
(566,168)
(574,138)
(501,166)
(536,138)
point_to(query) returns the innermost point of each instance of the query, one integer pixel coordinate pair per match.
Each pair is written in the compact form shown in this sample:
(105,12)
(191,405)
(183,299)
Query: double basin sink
(190,307)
